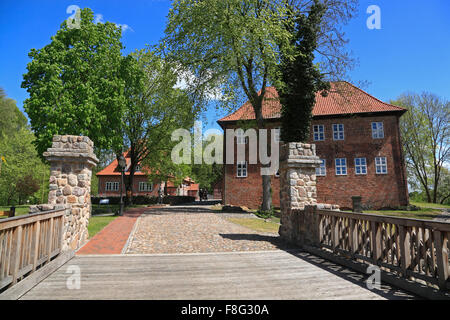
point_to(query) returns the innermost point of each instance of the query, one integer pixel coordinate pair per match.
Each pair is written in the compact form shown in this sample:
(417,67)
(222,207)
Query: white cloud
(98,18)
(186,78)
(124,27)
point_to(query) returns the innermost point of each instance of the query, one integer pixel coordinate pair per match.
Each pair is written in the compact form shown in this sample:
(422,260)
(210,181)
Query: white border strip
(130,236)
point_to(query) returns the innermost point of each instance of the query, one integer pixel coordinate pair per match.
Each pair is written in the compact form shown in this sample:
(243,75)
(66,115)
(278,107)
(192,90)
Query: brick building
(109,183)
(357,138)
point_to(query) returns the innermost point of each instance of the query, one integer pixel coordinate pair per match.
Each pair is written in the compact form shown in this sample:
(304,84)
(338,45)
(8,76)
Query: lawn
(256,224)
(424,213)
(98,223)
(20,210)
(430,205)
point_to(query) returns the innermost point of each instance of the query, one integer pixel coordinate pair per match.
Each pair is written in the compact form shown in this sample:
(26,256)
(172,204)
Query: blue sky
(411,51)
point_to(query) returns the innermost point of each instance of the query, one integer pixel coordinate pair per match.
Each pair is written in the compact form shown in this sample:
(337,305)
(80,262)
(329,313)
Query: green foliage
(300,77)
(233,47)
(207,174)
(11,118)
(425,133)
(154,108)
(22,173)
(265,214)
(75,85)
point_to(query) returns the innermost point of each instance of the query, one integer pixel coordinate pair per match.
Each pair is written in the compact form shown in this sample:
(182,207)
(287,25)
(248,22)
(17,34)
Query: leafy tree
(300,77)
(12,119)
(75,84)
(26,186)
(233,47)
(22,162)
(154,108)
(21,168)
(425,135)
(207,174)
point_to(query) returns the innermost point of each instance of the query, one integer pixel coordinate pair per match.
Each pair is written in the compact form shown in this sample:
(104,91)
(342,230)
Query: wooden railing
(411,248)
(27,243)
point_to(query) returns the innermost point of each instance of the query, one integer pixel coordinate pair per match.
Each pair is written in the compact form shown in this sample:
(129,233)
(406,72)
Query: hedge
(172,200)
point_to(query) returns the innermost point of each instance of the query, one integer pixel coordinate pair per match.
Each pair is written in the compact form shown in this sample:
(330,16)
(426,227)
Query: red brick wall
(377,190)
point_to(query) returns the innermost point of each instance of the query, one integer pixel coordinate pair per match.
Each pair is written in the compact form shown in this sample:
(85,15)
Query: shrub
(172,200)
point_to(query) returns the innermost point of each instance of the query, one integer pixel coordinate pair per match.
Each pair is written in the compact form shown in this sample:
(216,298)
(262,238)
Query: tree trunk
(267,194)
(266,203)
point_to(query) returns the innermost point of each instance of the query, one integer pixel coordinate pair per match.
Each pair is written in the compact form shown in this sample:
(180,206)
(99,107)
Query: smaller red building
(110,177)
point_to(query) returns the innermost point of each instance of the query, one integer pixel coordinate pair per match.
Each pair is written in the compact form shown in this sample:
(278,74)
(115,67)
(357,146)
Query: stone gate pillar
(72,159)
(298,163)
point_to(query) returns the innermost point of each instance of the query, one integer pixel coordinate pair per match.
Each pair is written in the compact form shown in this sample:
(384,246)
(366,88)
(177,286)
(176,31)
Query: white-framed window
(360,166)
(277,134)
(338,131)
(240,137)
(112,186)
(145,186)
(241,169)
(380,165)
(277,174)
(377,130)
(137,168)
(341,166)
(318,132)
(322,170)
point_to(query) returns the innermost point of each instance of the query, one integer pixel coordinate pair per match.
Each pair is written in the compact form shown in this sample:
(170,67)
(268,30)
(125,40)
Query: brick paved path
(114,236)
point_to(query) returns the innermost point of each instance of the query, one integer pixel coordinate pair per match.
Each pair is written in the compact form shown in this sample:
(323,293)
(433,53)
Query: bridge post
(298,163)
(71,161)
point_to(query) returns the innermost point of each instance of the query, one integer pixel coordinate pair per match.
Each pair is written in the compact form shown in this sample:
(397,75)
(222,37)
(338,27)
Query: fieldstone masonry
(298,163)
(71,161)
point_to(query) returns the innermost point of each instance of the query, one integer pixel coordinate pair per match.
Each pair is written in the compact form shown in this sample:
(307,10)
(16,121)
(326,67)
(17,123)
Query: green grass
(424,213)
(429,205)
(98,223)
(256,224)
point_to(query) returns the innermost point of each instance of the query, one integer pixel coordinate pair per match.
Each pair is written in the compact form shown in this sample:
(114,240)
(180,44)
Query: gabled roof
(112,169)
(343,98)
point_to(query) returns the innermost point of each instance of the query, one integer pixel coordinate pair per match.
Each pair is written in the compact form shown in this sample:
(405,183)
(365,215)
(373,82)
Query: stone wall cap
(70,156)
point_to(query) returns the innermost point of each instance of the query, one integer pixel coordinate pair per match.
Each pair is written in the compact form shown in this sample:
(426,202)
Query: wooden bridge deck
(238,275)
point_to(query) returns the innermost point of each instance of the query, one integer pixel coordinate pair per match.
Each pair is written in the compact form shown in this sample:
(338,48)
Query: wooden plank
(334,233)
(441,242)
(353,233)
(49,240)
(15,257)
(376,241)
(37,232)
(405,255)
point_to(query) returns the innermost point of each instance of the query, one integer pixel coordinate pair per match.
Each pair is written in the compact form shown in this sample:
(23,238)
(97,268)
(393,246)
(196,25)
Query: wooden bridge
(412,254)
(238,275)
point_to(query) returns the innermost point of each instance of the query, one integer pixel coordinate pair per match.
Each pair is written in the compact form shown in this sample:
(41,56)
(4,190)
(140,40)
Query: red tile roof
(343,98)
